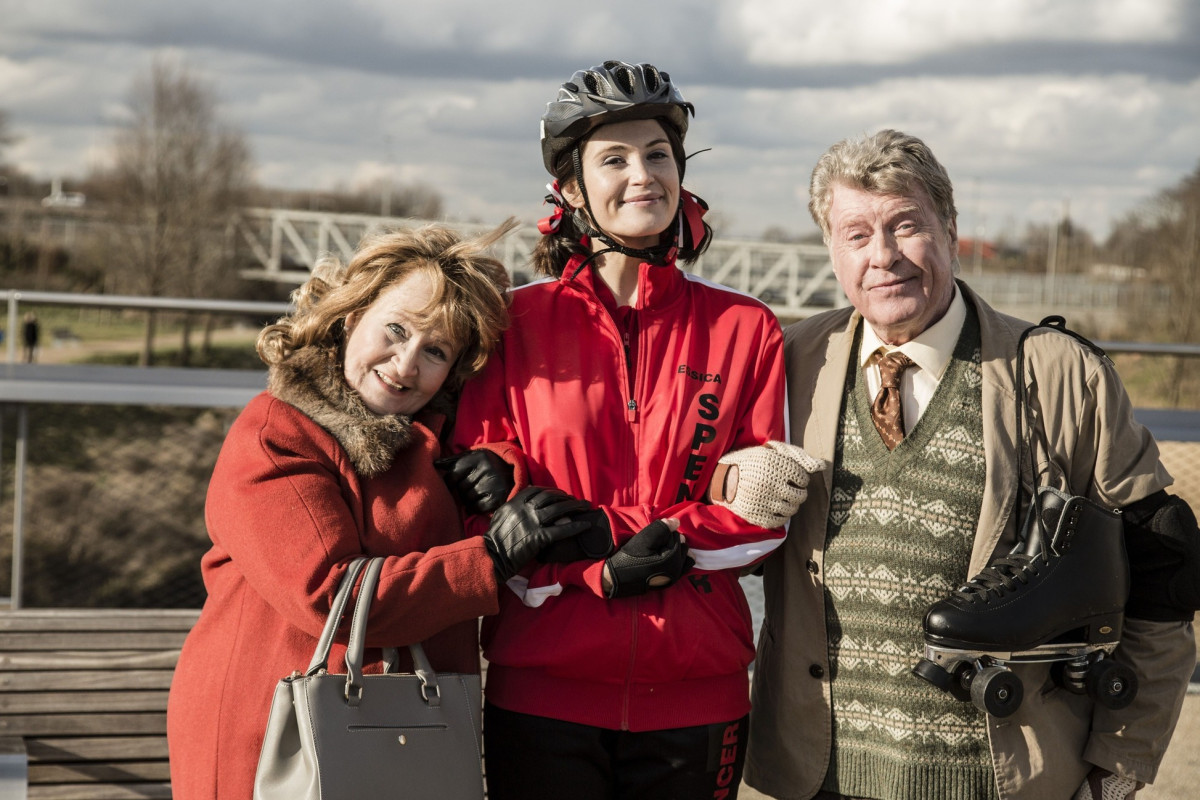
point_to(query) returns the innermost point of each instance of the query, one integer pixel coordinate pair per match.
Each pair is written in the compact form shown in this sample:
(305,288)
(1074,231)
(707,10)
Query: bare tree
(1163,237)
(179,177)
(6,138)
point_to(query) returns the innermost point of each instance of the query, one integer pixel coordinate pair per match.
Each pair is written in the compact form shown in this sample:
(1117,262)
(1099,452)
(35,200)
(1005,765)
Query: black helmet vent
(652,78)
(593,84)
(625,79)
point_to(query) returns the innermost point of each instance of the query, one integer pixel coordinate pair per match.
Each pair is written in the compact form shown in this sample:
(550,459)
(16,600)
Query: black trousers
(537,758)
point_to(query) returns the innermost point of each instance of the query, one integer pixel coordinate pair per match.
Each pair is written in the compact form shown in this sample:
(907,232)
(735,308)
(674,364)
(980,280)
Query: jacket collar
(658,284)
(311,380)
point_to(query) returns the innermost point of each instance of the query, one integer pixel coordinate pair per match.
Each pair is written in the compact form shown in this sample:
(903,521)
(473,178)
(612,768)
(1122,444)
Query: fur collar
(312,380)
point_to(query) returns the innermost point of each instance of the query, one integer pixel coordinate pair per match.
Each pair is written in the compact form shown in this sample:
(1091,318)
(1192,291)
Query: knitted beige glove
(1101,784)
(771,482)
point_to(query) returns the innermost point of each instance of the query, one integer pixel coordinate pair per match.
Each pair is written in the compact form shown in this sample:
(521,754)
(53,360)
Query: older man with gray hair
(911,396)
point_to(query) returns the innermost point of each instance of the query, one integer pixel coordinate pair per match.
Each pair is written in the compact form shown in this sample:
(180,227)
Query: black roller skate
(1059,596)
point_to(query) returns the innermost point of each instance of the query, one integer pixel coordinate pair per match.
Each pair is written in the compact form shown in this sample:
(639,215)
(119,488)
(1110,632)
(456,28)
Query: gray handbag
(371,736)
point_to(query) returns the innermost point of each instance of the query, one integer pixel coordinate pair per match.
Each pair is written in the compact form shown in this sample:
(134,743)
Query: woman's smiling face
(632,181)
(394,363)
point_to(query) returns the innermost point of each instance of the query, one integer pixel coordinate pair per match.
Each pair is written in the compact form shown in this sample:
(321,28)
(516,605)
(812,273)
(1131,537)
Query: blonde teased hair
(468,302)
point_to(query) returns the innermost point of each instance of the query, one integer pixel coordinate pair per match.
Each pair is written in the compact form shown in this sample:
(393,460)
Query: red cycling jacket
(639,437)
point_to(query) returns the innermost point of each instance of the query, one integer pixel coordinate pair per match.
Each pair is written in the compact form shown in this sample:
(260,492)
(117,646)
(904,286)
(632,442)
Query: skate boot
(1058,596)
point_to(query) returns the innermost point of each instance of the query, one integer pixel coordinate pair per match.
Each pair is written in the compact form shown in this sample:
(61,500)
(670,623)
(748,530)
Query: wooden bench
(83,701)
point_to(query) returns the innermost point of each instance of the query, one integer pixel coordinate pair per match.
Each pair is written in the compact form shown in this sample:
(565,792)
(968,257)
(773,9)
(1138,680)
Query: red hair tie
(550,224)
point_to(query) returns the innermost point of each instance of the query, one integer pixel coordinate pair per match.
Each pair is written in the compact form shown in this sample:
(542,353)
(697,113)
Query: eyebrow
(908,209)
(622,147)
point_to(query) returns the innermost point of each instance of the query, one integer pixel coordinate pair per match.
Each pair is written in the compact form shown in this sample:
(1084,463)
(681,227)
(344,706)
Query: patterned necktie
(885,411)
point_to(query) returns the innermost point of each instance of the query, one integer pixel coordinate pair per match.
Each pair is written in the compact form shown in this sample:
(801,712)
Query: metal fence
(104,470)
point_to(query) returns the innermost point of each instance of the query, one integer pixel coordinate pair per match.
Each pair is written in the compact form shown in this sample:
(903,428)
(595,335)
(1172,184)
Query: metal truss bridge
(796,280)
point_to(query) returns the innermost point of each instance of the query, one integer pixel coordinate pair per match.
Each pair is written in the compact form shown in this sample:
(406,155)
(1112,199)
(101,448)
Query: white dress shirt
(931,352)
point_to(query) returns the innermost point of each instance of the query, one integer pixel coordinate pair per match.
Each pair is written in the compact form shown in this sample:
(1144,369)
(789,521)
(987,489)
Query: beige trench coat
(1044,750)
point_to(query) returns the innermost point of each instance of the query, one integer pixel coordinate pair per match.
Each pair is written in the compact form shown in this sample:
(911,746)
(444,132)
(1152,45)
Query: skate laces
(1001,576)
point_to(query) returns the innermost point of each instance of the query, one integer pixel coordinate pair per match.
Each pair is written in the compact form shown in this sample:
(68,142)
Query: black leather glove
(534,518)
(654,558)
(481,479)
(594,543)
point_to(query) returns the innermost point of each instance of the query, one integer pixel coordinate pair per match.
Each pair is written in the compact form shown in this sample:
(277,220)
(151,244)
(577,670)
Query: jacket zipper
(631,406)
(632,368)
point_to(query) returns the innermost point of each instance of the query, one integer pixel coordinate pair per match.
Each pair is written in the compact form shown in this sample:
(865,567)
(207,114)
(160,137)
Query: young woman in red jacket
(617,666)
(336,460)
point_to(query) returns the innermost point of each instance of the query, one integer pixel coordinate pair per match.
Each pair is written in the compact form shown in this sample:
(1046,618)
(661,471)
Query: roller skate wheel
(927,670)
(997,691)
(1111,684)
(960,681)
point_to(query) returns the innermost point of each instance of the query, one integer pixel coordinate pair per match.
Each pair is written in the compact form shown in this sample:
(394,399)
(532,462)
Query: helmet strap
(661,253)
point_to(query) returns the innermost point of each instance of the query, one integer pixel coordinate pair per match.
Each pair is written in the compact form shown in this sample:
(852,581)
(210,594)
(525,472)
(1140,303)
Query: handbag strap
(320,657)
(358,635)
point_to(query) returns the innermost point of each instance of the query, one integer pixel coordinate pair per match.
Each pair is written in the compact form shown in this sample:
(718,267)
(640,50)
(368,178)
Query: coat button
(812,566)
(817,671)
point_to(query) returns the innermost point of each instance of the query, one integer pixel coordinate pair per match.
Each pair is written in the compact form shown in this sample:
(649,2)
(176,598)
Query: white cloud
(450,94)
(808,32)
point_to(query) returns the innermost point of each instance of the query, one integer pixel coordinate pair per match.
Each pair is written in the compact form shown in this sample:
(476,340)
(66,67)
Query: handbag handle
(320,657)
(358,634)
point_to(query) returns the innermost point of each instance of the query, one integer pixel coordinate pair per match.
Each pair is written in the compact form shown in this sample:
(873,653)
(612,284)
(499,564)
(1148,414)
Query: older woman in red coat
(336,460)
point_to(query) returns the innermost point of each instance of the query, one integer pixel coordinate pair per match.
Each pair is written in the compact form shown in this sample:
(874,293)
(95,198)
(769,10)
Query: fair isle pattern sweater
(901,524)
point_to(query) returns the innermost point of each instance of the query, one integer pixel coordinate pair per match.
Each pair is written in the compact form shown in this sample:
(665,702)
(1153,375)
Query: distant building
(60,199)
(966,249)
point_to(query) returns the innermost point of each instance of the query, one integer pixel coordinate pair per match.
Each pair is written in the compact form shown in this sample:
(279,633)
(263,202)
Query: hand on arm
(594,543)
(765,484)
(654,558)
(480,479)
(534,519)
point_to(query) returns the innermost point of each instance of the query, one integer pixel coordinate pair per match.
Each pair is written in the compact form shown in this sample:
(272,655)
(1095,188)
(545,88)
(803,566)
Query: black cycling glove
(654,558)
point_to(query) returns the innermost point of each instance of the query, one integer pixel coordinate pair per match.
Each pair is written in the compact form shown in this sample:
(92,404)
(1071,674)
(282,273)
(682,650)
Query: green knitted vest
(901,526)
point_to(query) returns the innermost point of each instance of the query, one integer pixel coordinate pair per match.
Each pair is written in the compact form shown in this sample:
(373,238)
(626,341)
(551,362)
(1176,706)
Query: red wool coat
(288,508)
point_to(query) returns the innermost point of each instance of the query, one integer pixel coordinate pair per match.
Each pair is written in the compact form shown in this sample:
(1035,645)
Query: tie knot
(891,367)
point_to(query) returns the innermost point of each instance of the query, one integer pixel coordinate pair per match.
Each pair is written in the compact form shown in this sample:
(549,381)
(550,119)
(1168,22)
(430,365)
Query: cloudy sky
(1032,105)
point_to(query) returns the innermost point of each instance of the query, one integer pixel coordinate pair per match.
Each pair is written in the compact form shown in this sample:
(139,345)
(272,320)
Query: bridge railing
(796,280)
(52,415)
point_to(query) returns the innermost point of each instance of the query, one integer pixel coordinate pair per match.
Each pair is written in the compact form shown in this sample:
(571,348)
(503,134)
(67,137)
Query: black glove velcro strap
(654,552)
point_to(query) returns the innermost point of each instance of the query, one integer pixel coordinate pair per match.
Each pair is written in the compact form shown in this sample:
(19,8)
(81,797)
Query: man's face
(893,259)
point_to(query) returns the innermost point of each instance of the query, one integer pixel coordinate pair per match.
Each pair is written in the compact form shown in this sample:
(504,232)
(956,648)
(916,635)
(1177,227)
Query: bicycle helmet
(612,92)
